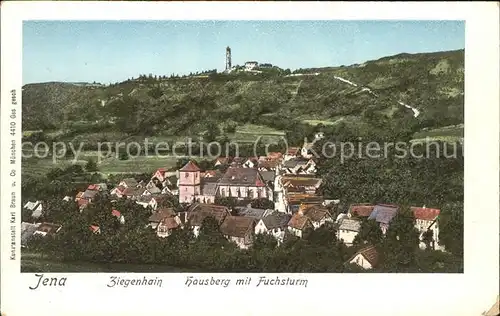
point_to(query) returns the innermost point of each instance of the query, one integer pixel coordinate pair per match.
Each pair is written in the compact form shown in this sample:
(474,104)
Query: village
(277,194)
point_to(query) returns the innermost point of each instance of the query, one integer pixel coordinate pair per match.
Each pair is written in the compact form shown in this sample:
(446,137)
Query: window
(186,175)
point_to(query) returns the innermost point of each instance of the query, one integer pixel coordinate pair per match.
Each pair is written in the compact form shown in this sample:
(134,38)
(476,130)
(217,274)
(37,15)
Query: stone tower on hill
(228,59)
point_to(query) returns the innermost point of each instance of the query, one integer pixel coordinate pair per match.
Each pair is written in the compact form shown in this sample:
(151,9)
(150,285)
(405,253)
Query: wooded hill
(433,83)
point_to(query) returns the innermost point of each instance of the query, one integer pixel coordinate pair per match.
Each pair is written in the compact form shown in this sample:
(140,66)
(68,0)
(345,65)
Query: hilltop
(356,96)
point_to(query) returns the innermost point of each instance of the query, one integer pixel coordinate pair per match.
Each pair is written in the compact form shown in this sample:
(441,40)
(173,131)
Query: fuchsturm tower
(228,58)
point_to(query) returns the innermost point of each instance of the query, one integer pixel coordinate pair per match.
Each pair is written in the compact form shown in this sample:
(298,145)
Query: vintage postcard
(159,155)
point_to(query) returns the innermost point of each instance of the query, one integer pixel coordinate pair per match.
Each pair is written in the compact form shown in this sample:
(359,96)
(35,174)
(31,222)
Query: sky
(113,51)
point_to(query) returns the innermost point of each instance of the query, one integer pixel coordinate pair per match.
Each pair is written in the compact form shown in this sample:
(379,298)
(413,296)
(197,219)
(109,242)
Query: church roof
(190,167)
(238,176)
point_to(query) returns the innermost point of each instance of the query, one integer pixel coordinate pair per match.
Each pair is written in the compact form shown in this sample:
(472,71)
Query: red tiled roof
(223,160)
(274,155)
(299,221)
(94,228)
(161,171)
(198,212)
(315,213)
(116,213)
(190,167)
(362,210)
(93,187)
(169,222)
(120,188)
(237,226)
(83,202)
(371,255)
(428,214)
(292,150)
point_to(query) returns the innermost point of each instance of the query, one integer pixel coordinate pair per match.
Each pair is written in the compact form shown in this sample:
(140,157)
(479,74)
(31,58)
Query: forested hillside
(155,105)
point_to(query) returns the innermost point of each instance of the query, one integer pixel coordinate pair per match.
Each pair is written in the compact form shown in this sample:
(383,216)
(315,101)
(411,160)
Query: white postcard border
(344,294)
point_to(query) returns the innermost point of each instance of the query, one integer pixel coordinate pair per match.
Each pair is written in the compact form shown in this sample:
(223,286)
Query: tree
(262,203)
(264,241)
(210,233)
(123,155)
(451,233)
(91,165)
(400,243)
(369,233)
(229,202)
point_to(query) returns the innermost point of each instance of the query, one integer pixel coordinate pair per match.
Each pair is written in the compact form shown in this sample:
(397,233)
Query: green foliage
(369,233)
(262,203)
(91,165)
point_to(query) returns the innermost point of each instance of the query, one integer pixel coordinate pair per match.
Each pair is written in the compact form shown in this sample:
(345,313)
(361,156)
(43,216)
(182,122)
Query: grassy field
(317,122)
(449,133)
(258,130)
(33,262)
(138,164)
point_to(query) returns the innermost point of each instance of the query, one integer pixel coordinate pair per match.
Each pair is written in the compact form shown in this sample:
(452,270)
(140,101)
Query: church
(238,181)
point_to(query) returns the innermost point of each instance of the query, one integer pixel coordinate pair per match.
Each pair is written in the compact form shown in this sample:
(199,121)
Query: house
(274,224)
(254,213)
(360,210)
(67,198)
(147,201)
(197,212)
(239,230)
(251,65)
(306,150)
(274,155)
(95,229)
(221,161)
(134,192)
(299,166)
(383,214)
(118,191)
(119,216)
(298,224)
(366,258)
(90,195)
(347,230)
(294,165)
(426,219)
(101,187)
(27,231)
(295,200)
(79,196)
(167,225)
(251,162)
(36,208)
(45,229)
(305,184)
(128,183)
(318,214)
(159,215)
(83,203)
(159,175)
(268,165)
(292,152)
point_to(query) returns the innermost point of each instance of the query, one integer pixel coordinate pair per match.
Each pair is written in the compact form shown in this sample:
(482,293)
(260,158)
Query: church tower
(228,59)
(189,183)
(280,202)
